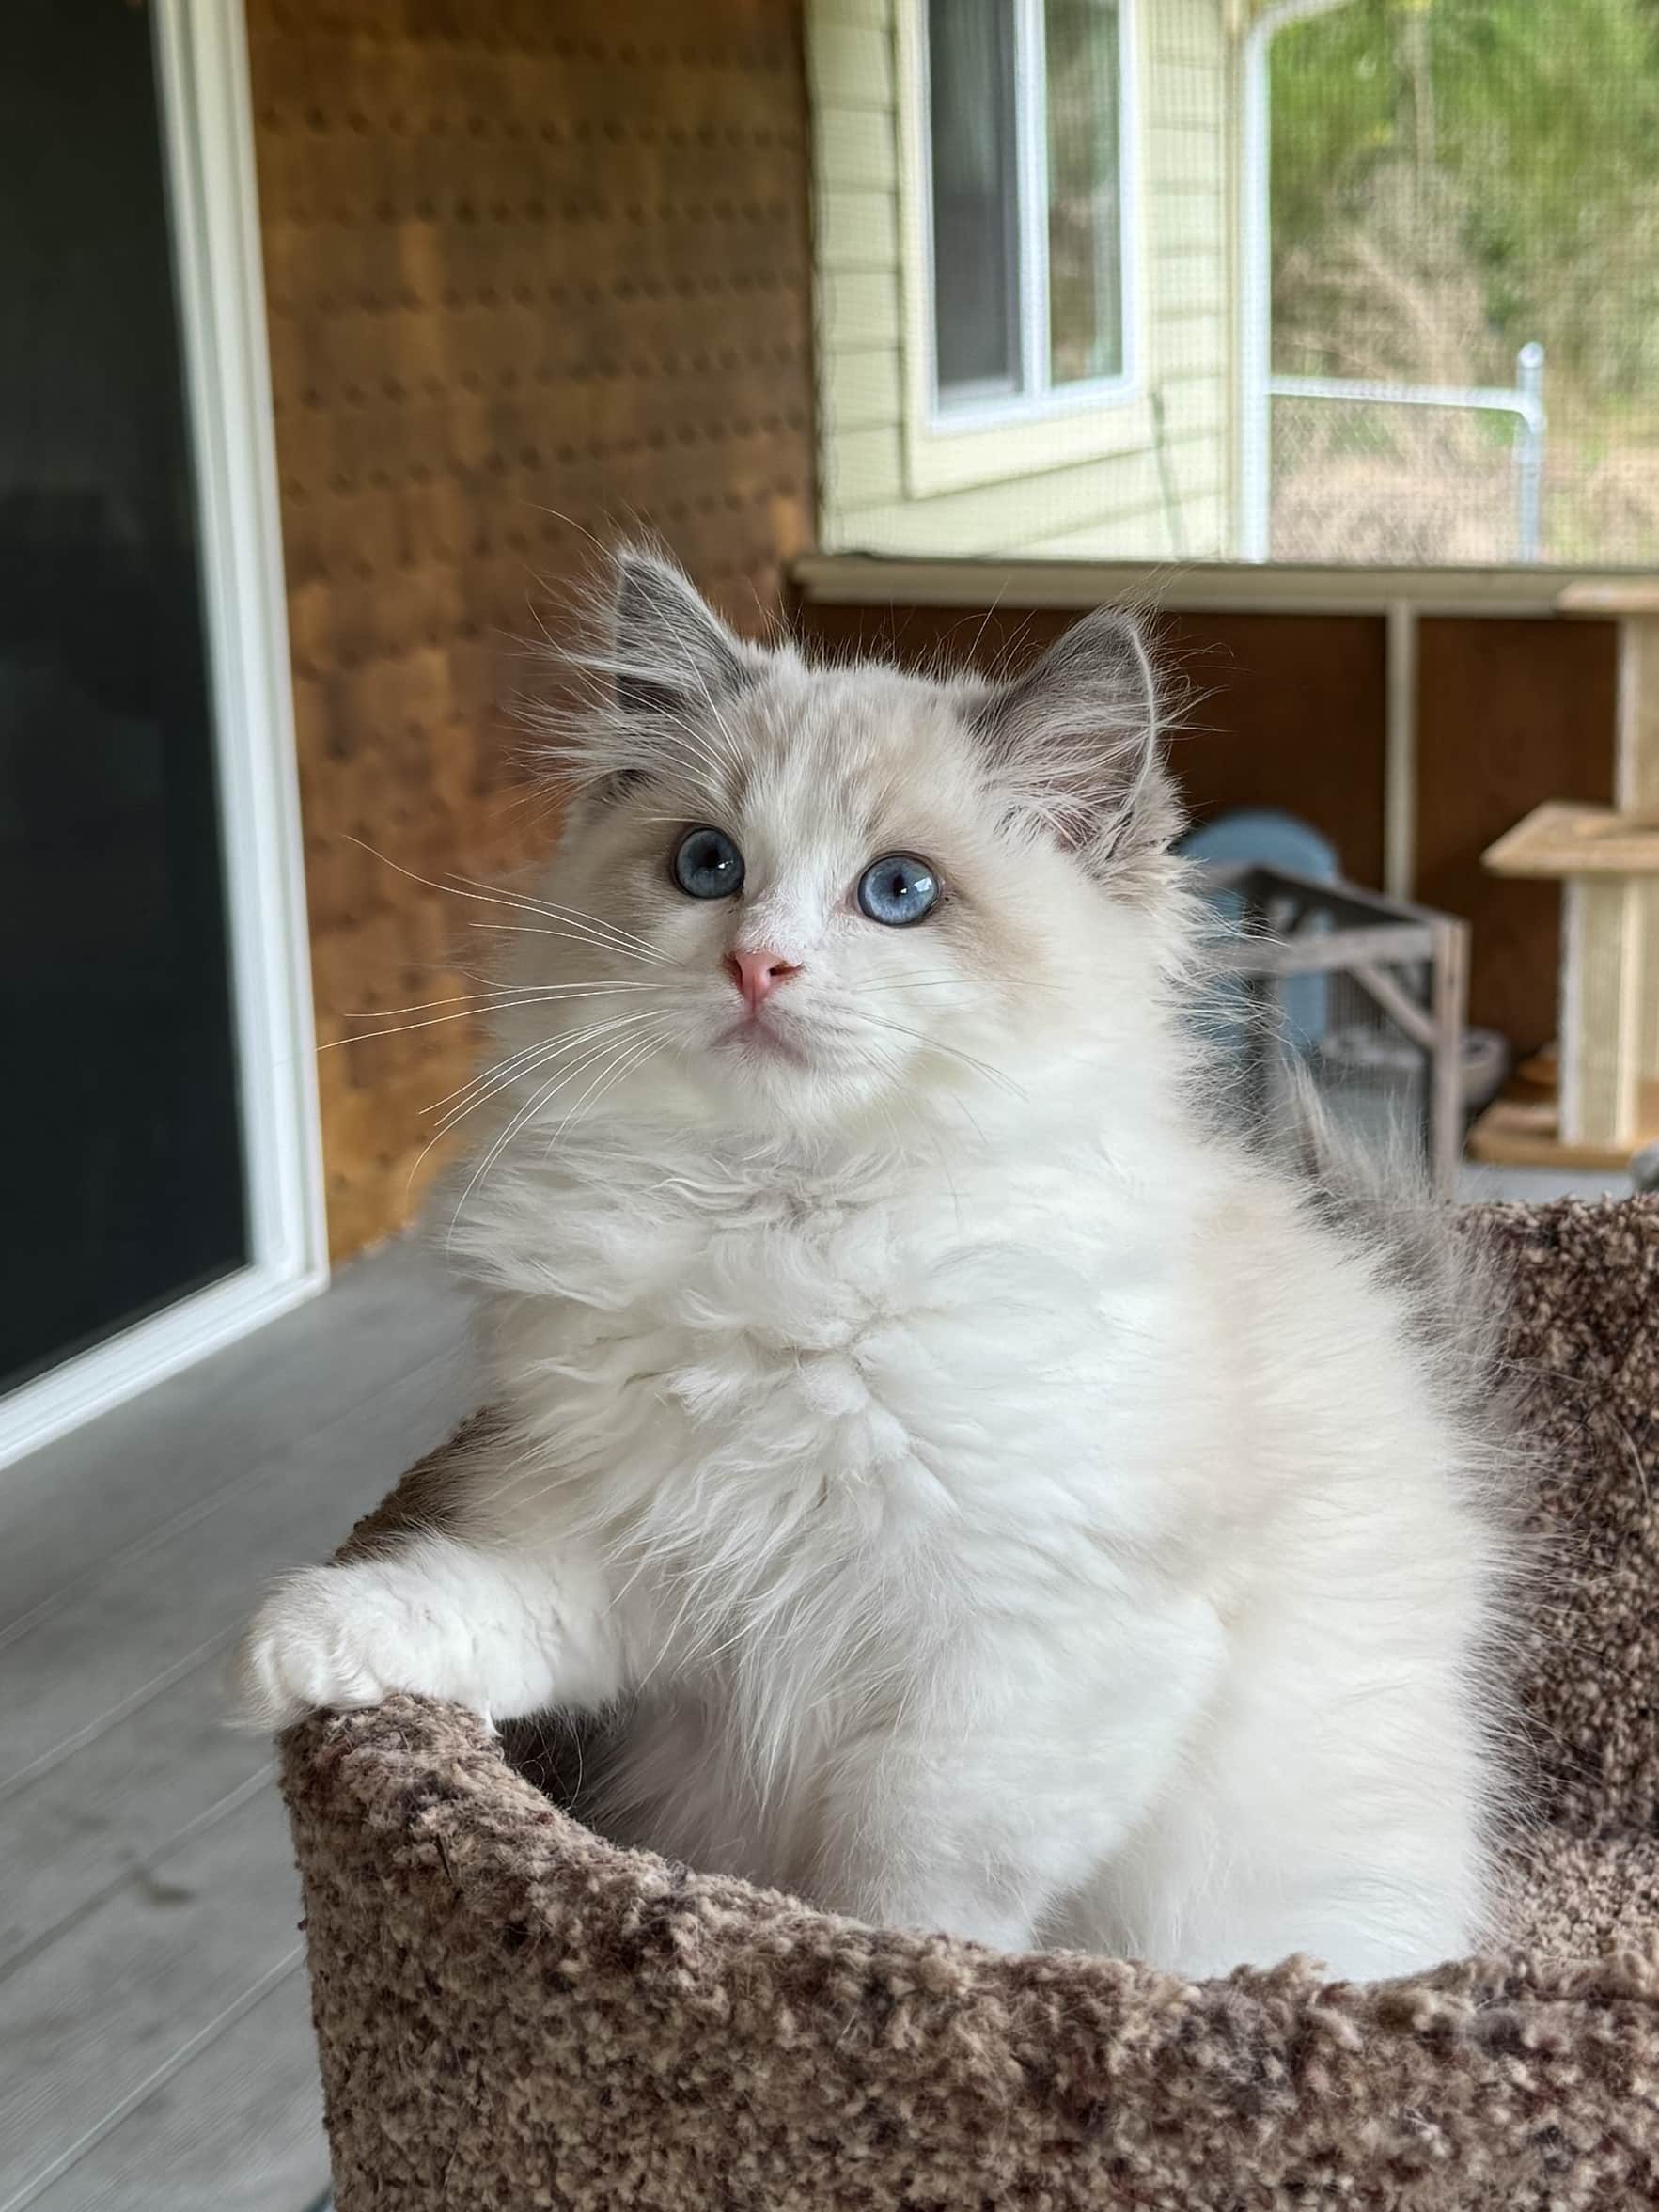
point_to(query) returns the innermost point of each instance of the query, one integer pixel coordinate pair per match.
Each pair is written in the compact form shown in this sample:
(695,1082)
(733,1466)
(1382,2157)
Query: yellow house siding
(856,147)
(1102,504)
(857,229)
(1027,512)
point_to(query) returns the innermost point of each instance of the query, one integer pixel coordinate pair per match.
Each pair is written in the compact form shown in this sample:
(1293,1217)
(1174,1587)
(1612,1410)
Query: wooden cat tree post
(1607,861)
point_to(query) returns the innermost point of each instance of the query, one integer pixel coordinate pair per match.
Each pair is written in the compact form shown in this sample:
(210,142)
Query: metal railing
(1525,401)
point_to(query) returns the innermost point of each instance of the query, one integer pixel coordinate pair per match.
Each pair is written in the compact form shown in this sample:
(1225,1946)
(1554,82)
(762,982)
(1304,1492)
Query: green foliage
(1516,143)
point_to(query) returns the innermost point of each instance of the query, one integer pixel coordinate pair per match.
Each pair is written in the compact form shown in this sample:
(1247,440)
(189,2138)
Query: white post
(1255,310)
(1600,1012)
(1529,449)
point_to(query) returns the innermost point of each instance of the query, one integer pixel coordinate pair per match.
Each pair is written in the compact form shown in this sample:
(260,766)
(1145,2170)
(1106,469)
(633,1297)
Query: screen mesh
(1082,294)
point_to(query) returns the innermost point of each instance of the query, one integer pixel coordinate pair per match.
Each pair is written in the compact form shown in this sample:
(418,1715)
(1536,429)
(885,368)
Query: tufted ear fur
(1077,741)
(672,653)
(651,662)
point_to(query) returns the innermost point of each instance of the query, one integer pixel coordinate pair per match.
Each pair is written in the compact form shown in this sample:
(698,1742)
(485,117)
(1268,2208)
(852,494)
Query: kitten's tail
(1378,1195)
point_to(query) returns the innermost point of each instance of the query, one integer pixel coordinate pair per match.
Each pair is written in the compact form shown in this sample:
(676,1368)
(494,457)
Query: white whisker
(937,1044)
(500,994)
(537,1054)
(641,1050)
(468,1012)
(557,911)
(520,1122)
(495,898)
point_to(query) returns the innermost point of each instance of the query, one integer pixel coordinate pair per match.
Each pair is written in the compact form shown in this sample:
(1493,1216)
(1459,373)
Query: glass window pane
(972,146)
(1085,191)
(119,1129)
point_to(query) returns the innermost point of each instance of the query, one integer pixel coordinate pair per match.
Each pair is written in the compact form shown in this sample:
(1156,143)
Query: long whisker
(466,1013)
(505,1138)
(633,1055)
(536,930)
(573,936)
(539,1055)
(557,911)
(505,1073)
(937,1044)
(497,1067)
(495,898)
(498,994)
(502,1076)
(522,1063)
(518,1122)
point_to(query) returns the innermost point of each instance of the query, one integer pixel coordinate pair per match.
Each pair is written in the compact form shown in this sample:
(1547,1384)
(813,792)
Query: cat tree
(1606,859)
(512,2011)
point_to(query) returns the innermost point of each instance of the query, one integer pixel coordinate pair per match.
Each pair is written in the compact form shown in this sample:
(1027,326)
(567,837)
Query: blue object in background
(1263,837)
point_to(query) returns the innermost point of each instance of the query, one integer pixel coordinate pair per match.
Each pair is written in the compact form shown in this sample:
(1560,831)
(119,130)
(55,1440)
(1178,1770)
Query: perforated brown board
(534,269)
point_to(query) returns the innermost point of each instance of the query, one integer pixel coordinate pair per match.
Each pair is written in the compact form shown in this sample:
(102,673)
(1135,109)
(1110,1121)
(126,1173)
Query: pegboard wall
(534,269)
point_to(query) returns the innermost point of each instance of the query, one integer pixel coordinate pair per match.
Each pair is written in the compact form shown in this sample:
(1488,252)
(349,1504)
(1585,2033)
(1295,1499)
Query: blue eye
(706,865)
(897,890)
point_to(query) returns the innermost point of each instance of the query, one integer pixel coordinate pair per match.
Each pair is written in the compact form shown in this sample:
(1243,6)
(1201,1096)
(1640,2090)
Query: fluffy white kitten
(983,1497)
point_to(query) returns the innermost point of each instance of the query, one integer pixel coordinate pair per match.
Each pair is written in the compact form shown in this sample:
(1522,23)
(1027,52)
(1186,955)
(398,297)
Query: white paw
(327,1637)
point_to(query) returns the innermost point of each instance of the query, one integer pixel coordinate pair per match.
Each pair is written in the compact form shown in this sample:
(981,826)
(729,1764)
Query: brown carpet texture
(513,2014)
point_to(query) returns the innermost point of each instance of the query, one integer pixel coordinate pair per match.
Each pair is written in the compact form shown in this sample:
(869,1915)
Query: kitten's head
(800,892)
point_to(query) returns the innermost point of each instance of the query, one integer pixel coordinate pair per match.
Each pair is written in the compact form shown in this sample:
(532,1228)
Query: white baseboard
(151,1350)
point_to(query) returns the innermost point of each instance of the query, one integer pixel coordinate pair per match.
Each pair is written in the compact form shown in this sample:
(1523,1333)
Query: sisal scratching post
(1606,860)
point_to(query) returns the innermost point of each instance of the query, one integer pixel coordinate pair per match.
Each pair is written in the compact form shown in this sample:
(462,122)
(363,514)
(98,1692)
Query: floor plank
(155,2043)
(137,1986)
(124,1636)
(237,2130)
(96,1817)
(75,1506)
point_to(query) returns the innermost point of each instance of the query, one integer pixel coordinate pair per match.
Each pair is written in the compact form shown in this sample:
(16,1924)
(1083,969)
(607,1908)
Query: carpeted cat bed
(512,2014)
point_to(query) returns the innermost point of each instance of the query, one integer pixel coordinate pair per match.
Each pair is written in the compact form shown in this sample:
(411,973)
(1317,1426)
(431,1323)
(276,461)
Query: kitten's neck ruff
(655,1143)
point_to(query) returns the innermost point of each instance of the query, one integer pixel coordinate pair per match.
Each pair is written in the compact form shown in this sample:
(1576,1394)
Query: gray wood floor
(155,2045)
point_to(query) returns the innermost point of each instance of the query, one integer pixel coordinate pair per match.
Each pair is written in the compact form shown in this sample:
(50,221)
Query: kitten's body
(990,1502)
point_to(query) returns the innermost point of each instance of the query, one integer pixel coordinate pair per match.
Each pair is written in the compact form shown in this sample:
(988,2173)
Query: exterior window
(1026,175)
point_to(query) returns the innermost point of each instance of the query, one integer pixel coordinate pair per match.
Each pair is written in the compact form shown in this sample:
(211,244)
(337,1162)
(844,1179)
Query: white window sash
(1037,398)
(1031,174)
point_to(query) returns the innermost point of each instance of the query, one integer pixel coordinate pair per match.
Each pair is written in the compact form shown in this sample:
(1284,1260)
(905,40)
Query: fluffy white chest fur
(1014,1546)
(973,1494)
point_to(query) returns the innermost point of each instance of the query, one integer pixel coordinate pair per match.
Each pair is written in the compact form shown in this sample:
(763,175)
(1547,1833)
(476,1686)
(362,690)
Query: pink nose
(757,975)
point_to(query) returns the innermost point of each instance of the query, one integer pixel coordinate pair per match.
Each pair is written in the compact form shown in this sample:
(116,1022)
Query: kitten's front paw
(314,1643)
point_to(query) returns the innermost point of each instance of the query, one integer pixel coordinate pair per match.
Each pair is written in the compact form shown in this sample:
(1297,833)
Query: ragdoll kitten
(984,1497)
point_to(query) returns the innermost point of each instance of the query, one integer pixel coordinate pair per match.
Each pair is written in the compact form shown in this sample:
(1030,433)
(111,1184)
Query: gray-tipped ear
(1078,740)
(671,651)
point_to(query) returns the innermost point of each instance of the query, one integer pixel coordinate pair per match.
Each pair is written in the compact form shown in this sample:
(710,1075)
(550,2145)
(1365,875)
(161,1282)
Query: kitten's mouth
(759,1037)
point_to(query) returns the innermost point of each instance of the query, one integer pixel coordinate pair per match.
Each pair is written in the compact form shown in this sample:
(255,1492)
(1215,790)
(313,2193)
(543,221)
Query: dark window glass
(119,1143)
(976,200)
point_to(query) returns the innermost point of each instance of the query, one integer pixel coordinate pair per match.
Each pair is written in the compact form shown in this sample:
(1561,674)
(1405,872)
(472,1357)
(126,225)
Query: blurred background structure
(339,333)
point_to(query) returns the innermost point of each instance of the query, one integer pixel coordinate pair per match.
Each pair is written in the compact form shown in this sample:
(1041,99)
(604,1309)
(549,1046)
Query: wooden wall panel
(1288,711)
(1508,713)
(1285,710)
(534,269)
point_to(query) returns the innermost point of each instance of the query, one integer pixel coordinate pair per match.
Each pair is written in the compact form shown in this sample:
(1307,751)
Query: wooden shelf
(1560,838)
(1627,595)
(1524,1133)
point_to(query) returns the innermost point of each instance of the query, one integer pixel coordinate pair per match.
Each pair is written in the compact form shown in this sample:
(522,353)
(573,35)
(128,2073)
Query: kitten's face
(800,895)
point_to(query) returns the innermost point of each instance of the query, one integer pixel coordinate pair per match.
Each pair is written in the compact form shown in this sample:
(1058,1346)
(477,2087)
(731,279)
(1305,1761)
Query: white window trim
(207,128)
(948,447)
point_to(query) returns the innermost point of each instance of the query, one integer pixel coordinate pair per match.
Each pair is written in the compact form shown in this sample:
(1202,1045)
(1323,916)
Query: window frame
(207,125)
(1039,400)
